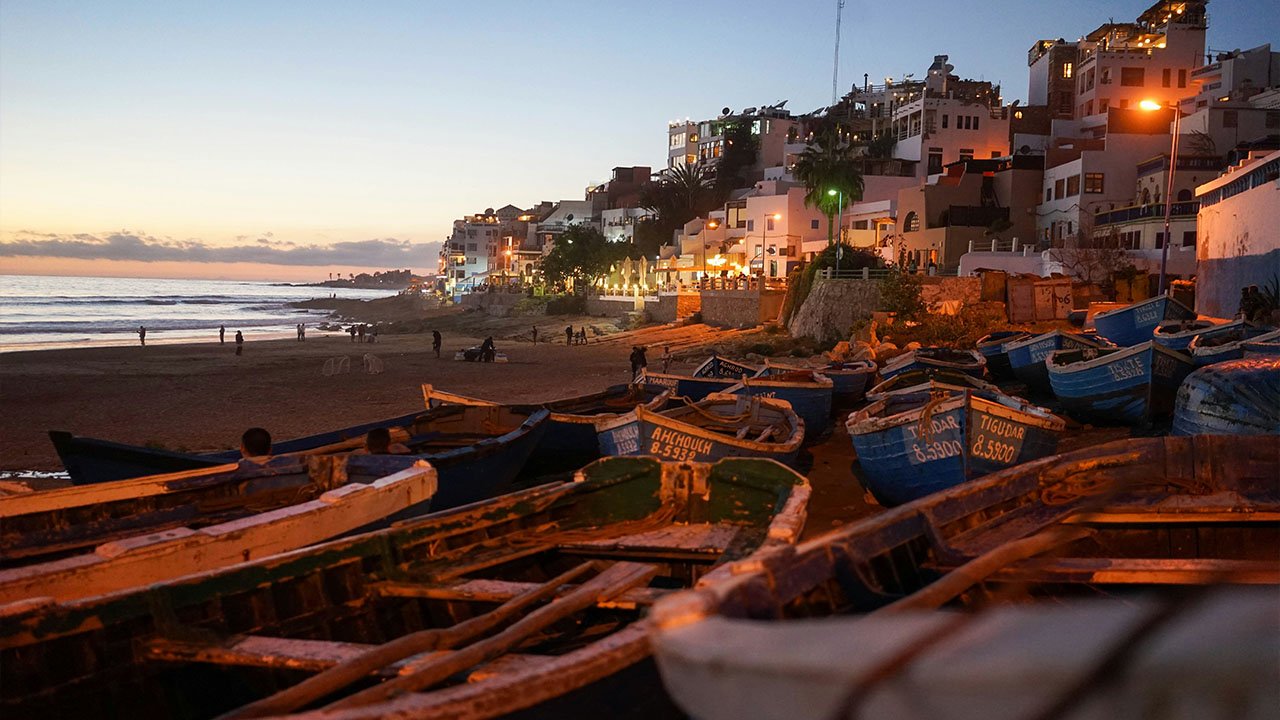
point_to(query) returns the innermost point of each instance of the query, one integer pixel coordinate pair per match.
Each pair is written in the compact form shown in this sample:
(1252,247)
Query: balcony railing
(1142,212)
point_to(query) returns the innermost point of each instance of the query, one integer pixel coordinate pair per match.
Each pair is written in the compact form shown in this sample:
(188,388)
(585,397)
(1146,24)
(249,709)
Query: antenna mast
(835,69)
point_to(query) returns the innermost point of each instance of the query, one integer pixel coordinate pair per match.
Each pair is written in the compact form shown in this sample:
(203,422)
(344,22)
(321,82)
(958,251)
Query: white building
(950,120)
(1238,240)
(471,253)
(1234,102)
(566,214)
(619,224)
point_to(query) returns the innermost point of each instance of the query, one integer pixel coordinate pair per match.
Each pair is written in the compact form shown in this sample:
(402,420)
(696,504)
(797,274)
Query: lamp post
(764,237)
(840,201)
(1151,106)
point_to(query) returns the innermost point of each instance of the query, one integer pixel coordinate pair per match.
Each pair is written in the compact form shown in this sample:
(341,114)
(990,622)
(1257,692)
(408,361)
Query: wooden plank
(1144,571)
(268,652)
(1162,518)
(498,591)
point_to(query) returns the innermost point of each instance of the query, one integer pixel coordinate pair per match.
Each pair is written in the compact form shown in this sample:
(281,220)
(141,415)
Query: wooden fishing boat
(1178,334)
(919,381)
(90,540)
(912,444)
(721,367)
(992,347)
(719,426)
(1130,385)
(1027,356)
(1227,341)
(476,451)
(687,386)
(1254,350)
(569,441)
(1237,397)
(849,380)
(969,362)
(808,392)
(523,602)
(1136,323)
(1105,522)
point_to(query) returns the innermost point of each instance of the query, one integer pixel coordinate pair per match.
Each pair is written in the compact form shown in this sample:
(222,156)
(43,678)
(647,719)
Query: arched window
(1146,196)
(1184,195)
(912,223)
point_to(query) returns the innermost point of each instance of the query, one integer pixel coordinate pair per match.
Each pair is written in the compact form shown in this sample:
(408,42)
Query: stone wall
(740,308)
(496,304)
(967,290)
(671,307)
(833,306)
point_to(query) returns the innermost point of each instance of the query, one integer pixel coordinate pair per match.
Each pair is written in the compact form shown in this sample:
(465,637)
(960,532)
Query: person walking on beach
(638,361)
(666,358)
(360,330)
(239,342)
(142,335)
(222,334)
(352,330)
(487,351)
(535,334)
(568,335)
(302,328)
(436,341)
(582,335)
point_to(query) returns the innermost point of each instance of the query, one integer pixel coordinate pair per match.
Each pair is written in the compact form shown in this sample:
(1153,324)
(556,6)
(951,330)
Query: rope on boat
(714,416)
(1086,478)
(925,428)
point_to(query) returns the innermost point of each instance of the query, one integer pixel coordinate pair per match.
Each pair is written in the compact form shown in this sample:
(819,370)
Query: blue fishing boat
(1227,341)
(935,359)
(569,441)
(849,379)
(1131,385)
(704,431)
(1178,334)
(688,386)
(992,347)
(911,445)
(809,393)
(1136,323)
(1236,397)
(476,451)
(719,367)
(1027,356)
(1254,350)
(920,382)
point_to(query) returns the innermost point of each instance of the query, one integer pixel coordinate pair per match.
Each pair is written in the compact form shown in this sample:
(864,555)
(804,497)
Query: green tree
(583,255)
(829,164)
(677,196)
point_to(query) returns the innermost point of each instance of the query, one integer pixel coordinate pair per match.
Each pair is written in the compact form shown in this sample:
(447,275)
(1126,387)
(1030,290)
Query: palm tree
(679,194)
(831,172)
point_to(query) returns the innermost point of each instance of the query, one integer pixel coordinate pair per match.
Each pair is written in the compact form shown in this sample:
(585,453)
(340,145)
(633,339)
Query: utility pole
(835,70)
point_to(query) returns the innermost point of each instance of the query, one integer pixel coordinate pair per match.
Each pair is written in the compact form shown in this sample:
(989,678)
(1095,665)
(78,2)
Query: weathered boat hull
(1238,397)
(918,381)
(1254,350)
(1103,521)
(809,394)
(1136,323)
(1027,356)
(343,495)
(1178,334)
(940,443)
(849,380)
(687,386)
(969,362)
(650,433)
(1132,385)
(992,347)
(1228,342)
(570,614)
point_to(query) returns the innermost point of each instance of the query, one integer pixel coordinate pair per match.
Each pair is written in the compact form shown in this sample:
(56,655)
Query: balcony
(973,216)
(1143,212)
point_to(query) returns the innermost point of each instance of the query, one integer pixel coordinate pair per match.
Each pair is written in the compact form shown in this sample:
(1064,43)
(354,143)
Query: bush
(761,349)
(900,295)
(531,306)
(567,305)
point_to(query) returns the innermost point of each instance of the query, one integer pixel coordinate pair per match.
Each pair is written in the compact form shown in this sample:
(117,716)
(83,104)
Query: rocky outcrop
(832,308)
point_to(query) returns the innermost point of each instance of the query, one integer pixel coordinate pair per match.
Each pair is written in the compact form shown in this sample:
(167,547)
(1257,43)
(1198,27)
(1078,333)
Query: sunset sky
(285,140)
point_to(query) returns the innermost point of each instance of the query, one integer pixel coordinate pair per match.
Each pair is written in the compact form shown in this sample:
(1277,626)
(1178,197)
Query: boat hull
(1027,356)
(1136,323)
(687,386)
(935,447)
(1178,335)
(811,400)
(992,348)
(655,434)
(1204,351)
(1132,385)
(924,360)
(1239,397)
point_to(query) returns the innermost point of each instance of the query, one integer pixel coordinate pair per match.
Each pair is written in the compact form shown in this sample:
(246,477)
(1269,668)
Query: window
(1073,186)
(912,223)
(813,224)
(1088,79)
(1102,105)
(751,224)
(471,247)
(1067,70)
(860,225)
(677,140)
(1048,194)
(1059,189)
(1132,77)
(1273,119)
(935,163)
(1166,77)
(768,223)
(690,159)
(1182,78)
(1093,182)
(1088,108)
(944,121)
(1159,240)
(1230,118)
(975,121)
(967,121)
(966,154)
(995,154)
(1189,238)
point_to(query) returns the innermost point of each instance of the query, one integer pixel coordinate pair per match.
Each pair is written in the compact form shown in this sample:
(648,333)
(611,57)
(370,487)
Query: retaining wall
(740,308)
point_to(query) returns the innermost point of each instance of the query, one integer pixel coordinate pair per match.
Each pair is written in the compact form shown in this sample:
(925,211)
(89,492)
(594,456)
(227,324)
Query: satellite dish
(569,217)
(725,111)
(1024,150)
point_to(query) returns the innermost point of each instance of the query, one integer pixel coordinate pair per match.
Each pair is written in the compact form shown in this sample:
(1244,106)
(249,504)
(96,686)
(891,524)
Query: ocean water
(47,311)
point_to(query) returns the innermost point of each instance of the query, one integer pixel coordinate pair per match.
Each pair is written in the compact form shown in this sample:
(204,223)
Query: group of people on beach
(222,336)
(574,338)
(361,331)
(302,332)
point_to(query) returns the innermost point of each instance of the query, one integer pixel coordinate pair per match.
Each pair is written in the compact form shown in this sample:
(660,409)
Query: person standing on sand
(582,335)
(239,342)
(535,334)
(568,335)
(488,353)
(436,342)
(666,358)
(302,332)
(352,330)
(142,335)
(222,334)
(638,361)
(360,330)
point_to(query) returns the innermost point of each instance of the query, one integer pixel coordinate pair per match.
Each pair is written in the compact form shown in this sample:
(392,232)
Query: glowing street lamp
(839,193)
(764,236)
(1152,106)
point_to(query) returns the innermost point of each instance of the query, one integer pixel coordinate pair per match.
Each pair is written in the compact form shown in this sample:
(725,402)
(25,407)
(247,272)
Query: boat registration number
(677,446)
(1149,315)
(996,440)
(1126,369)
(1163,366)
(626,440)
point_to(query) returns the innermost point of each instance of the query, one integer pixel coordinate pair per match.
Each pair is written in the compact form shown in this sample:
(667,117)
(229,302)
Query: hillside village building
(1239,244)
